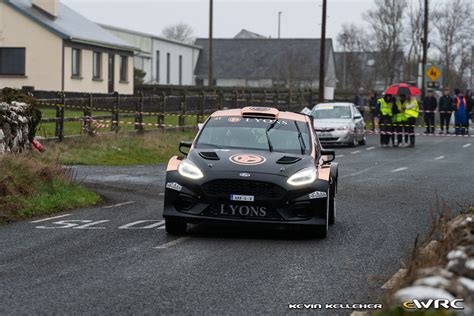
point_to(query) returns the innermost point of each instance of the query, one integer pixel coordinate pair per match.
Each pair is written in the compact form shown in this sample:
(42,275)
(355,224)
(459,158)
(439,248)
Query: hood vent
(209,155)
(288,160)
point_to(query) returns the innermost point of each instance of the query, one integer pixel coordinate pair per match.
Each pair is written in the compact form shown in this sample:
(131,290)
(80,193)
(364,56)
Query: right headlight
(187,169)
(304,176)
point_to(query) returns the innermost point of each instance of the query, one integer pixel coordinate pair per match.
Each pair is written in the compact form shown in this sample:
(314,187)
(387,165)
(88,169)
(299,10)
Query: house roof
(70,25)
(262,58)
(247,34)
(138,33)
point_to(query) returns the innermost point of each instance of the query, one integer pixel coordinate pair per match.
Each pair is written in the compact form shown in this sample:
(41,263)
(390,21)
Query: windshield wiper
(270,146)
(300,138)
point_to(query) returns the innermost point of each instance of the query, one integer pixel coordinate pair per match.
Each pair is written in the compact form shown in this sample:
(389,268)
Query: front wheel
(362,142)
(332,211)
(175,227)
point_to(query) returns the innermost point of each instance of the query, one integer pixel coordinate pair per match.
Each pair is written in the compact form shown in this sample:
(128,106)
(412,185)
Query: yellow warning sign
(433,73)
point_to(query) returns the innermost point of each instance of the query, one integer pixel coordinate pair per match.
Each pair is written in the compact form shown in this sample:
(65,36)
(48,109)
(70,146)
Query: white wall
(190,56)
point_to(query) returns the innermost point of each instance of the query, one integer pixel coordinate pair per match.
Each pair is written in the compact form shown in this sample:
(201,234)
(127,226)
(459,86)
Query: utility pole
(209,62)
(344,72)
(279,23)
(322,54)
(425,49)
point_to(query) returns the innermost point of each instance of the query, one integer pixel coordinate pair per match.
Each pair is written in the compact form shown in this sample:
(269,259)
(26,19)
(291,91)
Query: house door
(111,77)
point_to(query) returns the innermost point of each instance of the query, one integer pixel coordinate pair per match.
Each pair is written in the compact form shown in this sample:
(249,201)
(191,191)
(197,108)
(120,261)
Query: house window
(97,65)
(76,62)
(168,68)
(158,66)
(180,70)
(123,68)
(12,61)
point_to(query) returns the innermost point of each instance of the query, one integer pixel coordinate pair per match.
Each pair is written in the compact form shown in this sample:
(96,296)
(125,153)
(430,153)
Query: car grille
(259,189)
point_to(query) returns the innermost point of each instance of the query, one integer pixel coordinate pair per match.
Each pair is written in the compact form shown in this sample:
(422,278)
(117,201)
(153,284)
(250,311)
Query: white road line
(370,148)
(339,156)
(172,243)
(120,204)
(356,173)
(49,218)
(467,145)
(399,169)
(440,157)
(131,225)
(355,152)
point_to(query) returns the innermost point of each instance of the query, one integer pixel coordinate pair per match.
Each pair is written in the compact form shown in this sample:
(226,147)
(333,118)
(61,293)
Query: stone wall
(16,124)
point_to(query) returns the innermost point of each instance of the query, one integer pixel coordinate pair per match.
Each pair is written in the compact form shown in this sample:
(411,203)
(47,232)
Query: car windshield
(324,111)
(251,133)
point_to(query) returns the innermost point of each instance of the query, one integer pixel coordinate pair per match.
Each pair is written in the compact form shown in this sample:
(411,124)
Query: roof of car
(264,112)
(335,104)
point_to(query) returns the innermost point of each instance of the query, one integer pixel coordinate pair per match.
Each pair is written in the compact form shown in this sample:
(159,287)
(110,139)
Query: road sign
(433,73)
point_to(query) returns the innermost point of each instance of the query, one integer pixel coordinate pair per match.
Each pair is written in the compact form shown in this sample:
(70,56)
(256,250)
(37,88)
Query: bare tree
(357,54)
(453,41)
(415,36)
(386,21)
(180,32)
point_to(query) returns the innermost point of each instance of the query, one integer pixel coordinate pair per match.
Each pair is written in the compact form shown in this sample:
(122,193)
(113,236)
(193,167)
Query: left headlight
(189,170)
(302,177)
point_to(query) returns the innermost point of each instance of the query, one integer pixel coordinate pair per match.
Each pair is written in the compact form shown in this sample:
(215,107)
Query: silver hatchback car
(339,123)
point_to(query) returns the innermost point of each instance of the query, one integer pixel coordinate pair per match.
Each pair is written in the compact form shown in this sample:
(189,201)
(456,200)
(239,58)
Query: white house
(164,61)
(45,45)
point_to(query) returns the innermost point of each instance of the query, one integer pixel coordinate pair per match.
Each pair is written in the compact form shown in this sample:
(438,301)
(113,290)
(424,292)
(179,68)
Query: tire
(362,142)
(354,142)
(332,211)
(332,194)
(175,227)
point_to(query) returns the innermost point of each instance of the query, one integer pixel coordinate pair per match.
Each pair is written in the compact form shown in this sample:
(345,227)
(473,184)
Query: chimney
(50,7)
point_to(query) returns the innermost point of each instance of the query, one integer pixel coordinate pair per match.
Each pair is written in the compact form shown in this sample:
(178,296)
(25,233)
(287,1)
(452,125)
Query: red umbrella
(402,88)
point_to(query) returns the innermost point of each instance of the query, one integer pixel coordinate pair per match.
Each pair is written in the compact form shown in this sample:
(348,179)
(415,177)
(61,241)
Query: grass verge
(117,150)
(30,187)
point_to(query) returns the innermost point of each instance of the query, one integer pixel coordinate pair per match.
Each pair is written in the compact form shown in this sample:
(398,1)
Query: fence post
(310,99)
(300,97)
(115,113)
(139,113)
(59,132)
(221,96)
(251,97)
(289,100)
(200,117)
(277,98)
(182,117)
(87,126)
(161,115)
(236,99)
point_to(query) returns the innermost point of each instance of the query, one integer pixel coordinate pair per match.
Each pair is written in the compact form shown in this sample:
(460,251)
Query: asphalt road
(117,258)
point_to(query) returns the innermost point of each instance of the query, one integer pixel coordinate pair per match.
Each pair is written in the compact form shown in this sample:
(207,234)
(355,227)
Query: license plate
(242,198)
(326,135)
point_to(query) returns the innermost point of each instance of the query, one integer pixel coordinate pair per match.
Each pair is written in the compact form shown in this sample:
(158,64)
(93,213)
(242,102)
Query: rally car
(253,165)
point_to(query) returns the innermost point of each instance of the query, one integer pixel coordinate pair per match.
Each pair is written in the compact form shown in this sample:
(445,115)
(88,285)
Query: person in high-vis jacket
(460,113)
(412,111)
(385,109)
(400,120)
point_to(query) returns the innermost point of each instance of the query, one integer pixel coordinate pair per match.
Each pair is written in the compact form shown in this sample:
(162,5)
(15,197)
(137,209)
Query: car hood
(248,161)
(332,123)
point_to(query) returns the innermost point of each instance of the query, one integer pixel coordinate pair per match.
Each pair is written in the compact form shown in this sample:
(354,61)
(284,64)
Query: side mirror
(184,144)
(357,116)
(329,154)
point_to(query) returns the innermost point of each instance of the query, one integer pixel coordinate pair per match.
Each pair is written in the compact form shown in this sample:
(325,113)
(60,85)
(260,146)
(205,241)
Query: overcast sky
(300,18)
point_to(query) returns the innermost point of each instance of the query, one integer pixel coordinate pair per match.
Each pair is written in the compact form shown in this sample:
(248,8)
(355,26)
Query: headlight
(345,128)
(189,170)
(305,176)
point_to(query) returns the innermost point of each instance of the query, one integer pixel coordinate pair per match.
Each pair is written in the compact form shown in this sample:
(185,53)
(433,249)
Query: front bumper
(336,137)
(190,201)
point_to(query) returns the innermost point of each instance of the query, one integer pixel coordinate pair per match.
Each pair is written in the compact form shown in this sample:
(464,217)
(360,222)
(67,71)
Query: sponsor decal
(242,210)
(234,119)
(247,159)
(244,174)
(245,198)
(174,186)
(318,195)
(259,108)
(433,303)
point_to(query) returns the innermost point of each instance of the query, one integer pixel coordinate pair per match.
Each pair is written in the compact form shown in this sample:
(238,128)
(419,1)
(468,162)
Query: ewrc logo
(433,303)
(318,195)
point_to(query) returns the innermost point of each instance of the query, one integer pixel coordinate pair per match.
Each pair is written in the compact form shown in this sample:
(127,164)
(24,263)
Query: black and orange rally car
(253,165)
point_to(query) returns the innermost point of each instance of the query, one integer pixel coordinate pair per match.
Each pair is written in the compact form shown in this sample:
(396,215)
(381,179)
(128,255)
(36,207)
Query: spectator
(373,108)
(470,102)
(359,101)
(460,113)
(429,107)
(445,110)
